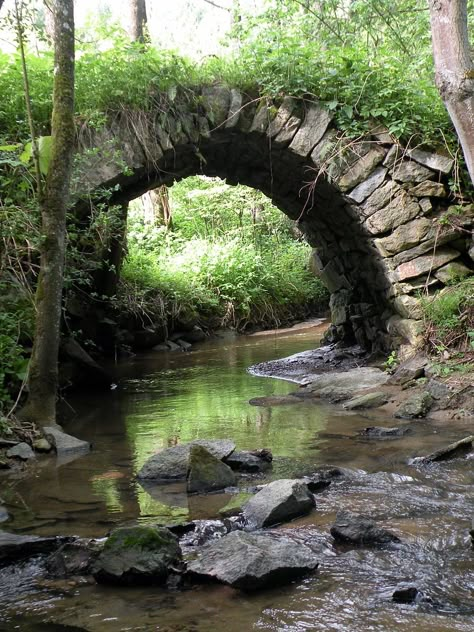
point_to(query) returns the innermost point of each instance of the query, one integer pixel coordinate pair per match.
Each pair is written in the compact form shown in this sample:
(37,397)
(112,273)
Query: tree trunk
(455,69)
(137,20)
(43,369)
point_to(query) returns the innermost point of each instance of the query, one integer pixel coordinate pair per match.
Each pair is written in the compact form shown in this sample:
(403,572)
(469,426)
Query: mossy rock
(235,504)
(137,556)
(206,473)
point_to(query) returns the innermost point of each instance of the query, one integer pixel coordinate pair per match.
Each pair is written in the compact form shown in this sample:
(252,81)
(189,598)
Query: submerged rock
(65,444)
(250,561)
(273,400)
(405,594)
(277,502)
(207,473)
(379,432)
(254,461)
(15,547)
(350,528)
(235,505)
(415,407)
(137,556)
(452,451)
(21,451)
(172,463)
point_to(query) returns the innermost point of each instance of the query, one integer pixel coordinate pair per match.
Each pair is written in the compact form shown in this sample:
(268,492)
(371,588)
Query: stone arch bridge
(379,217)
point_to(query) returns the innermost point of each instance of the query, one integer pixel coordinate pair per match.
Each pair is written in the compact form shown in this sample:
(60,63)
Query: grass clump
(449,320)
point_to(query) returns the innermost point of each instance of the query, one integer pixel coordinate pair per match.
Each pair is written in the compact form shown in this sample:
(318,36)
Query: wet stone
(278,502)
(16,547)
(21,451)
(415,407)
(65,444)
(172,463)
(250,461)
(250,561)
(369,400)
(405,594)
(206,472)
(137,556)
(359,530)
(452,451)
(379,432)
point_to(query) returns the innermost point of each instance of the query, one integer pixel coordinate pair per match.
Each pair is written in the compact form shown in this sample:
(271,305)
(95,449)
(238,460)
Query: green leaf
(10,147)
(44,150)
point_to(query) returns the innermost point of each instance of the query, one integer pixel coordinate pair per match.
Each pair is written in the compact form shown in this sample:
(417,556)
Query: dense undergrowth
(230,259)
(449,331)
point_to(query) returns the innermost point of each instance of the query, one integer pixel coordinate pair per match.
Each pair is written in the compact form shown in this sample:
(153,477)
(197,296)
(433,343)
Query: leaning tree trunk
(43,369)
(455,69)
(137,20)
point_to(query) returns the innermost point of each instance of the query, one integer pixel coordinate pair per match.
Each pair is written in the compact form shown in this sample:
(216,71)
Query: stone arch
(370,209)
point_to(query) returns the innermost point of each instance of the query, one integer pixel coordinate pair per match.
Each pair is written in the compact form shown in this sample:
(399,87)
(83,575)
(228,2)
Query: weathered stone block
(216,103)
(315,123)
(368,186)
(380,198)
(408,307)
(403,237)
(425,264)
(262,118)
(332,278)
(410,171)
(452,271)
(431,160)
(284,112)
(406,328)
(288,130)
(234,109)
(395,154)
(429,189)
(402,209)
(362,168)
(325,148)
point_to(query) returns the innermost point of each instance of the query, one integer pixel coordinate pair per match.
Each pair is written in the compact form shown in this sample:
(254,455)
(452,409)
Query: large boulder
(250,561)
(137,556)
(277,502)
(173,463)
(350,528)
(207,473)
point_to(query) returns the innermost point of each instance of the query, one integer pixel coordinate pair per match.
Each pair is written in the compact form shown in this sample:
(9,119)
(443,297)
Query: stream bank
(175,398)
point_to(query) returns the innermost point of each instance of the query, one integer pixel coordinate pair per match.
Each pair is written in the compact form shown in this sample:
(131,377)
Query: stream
(163,399)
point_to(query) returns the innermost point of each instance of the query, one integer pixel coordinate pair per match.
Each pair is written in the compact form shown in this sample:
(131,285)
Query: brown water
(166,399)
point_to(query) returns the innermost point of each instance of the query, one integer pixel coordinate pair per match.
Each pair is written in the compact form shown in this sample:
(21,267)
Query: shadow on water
(167,399)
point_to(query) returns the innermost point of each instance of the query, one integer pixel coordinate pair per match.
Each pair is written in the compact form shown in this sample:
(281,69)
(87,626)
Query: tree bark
(454,69)
(137,20)
(43,369)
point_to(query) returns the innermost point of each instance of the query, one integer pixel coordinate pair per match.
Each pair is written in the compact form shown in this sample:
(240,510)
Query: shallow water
(164,399)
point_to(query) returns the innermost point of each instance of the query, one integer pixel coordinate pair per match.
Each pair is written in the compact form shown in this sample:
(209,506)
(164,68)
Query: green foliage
(391,362)
(231,259)
(449,317)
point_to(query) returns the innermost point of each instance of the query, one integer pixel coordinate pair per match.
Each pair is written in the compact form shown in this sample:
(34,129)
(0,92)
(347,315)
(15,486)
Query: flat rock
(207,473)
(360,378)
(350,528)
(409,171)
(452,451)
(369,400)
(21,451)
(250,561)
(412,369)
(367,187)
(172,463)
(278,502)
(334,395)
(15,547)
(429,189)
(137,556)
(425,263)
(431,160)
(415,406)
(257,461)
(65,444)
